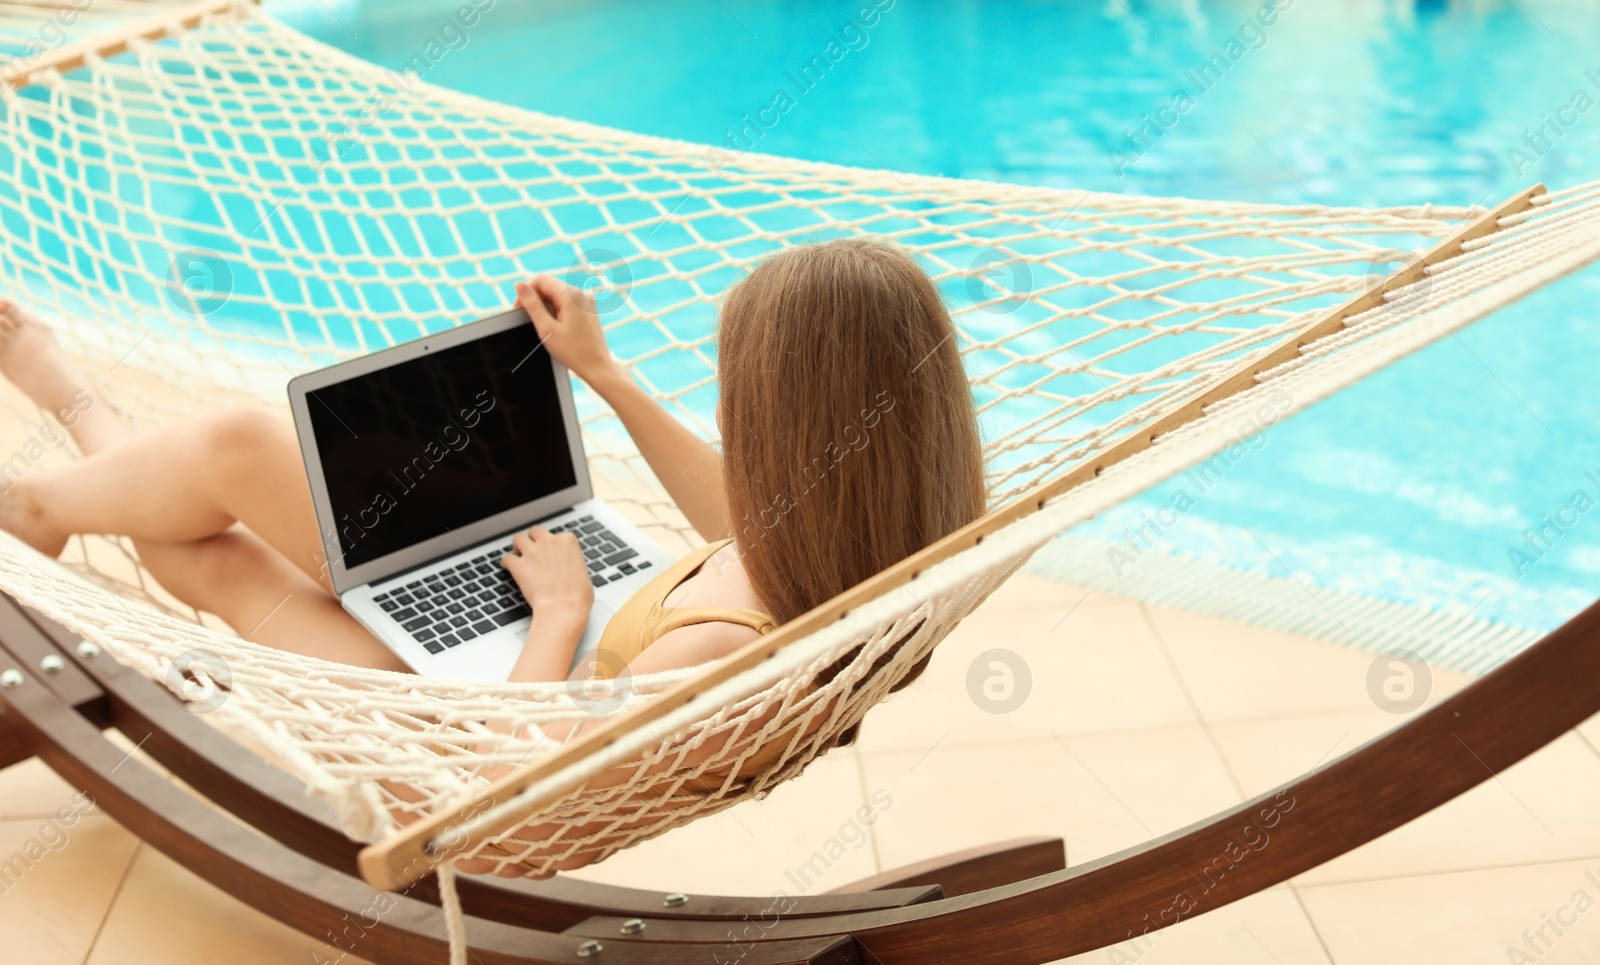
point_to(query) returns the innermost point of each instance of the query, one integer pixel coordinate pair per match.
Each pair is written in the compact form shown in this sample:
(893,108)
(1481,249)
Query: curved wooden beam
(1492,724)
(1487,727)
(270,799)
(329,907)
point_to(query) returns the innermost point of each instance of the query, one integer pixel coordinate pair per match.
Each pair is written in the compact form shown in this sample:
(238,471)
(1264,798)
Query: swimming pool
(1418,485)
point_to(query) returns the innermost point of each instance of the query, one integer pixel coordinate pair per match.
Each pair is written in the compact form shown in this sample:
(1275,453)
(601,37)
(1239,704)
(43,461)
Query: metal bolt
(588,948)
(675,900)
(52,663)
(88,648)
(633,926)
(12,677)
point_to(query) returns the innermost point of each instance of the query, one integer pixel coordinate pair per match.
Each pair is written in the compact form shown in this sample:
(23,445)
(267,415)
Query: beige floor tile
(165,914)
(1101,793)
(1236,671)
(1266,929)
(1080,596)
(1464,918)
(763,847)
(30,789)
(1540,810)
(1094,666)
(56,884)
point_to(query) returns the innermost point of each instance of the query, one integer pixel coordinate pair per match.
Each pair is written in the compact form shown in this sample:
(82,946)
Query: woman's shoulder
(720,582)
(694,644)
(726,616)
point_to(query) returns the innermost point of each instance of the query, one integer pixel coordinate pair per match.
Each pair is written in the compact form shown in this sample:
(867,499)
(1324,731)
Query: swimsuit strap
(642,619)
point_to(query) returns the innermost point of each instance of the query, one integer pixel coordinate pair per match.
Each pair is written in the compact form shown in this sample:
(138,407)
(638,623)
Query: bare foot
(34,363)
(22,517)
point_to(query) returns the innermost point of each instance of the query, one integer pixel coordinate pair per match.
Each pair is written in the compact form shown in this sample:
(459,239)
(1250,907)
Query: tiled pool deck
(1140,720)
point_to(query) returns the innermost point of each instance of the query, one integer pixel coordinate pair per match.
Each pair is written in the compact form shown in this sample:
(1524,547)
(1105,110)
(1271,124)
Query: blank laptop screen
(440,442)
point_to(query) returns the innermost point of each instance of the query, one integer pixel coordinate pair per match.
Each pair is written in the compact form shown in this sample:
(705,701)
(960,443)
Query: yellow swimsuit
(643,620)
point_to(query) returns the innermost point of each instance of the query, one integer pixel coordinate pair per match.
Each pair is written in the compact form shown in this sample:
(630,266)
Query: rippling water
(1416,485)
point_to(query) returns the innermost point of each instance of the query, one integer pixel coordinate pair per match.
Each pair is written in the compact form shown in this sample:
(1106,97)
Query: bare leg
(180,483)
(230,571)
(264,597)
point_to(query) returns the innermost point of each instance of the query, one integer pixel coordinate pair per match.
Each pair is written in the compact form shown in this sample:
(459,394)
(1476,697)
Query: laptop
(424,461)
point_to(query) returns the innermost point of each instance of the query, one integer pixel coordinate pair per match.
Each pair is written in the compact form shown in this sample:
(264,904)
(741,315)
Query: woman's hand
(568,326)
(551,572)
(685,463)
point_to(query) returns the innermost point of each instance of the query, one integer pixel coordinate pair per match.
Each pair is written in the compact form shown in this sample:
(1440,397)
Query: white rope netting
(206,216)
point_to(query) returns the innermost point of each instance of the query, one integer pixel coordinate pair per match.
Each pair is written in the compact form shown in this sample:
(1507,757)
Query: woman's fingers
(520,546)
(557,291)
(523,543)
(538,543)
(538,312)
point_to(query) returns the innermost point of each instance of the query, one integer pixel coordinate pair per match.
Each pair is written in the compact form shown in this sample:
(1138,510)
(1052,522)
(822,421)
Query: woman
(849,442)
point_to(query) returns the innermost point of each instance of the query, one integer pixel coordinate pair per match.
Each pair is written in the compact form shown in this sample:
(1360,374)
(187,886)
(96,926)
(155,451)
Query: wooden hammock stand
(1016,902)
(265,841)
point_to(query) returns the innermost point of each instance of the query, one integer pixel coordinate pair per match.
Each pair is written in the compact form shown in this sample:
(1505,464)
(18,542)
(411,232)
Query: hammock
(210,213)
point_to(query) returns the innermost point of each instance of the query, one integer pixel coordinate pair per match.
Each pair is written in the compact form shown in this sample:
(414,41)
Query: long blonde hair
(849,436)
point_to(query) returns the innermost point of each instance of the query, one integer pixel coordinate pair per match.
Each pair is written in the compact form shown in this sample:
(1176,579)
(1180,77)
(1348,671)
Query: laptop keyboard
(456,604)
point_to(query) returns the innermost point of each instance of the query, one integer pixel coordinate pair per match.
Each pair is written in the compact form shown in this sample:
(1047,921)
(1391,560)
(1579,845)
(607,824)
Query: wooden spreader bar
(168,21)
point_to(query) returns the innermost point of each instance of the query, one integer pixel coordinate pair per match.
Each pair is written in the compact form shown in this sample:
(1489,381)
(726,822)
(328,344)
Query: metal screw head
(52,663)
(88,648)
(12,677)
(675,900)
(588,948)
(633,926)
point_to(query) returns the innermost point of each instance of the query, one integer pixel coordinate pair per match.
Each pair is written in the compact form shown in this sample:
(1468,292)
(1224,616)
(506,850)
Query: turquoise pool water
(1417,485)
